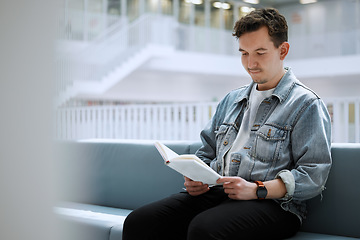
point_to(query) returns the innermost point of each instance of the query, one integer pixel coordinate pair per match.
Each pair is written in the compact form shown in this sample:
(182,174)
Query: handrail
(111,49)
(177,121)
(119,28)
(123,40)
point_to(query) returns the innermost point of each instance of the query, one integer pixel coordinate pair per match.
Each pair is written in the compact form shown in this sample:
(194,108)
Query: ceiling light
(247,9)
(251,1)
(217,4)
(194,1)
(226,6)
(222,5)
(307,1)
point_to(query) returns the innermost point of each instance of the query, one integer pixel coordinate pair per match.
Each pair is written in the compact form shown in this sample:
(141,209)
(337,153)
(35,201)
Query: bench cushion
(317,236)
(338,212)
(107,173)
(88,222)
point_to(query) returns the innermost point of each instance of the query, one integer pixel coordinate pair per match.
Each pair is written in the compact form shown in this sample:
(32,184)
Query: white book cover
(188,165)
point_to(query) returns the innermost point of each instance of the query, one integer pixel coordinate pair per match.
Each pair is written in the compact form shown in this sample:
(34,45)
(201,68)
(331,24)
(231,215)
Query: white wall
(26,163)
(327,28)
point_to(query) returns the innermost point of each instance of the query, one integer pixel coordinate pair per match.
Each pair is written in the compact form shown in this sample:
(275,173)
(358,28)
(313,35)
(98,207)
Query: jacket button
(226,143)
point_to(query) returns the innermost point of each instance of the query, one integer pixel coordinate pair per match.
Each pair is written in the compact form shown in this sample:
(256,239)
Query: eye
(244,53)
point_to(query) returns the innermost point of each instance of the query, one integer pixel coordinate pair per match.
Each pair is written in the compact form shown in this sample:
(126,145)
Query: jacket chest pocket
(221,140)
(268,142)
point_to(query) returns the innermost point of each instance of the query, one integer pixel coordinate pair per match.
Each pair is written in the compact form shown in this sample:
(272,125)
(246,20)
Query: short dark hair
(269,17)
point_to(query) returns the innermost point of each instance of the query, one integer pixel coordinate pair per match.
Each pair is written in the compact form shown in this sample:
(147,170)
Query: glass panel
(76,5)
(167,7)
(228,16)
(200,14)
(114,7)
(151,6)
(114,11)
(95,6)
(214,15)
(95,19)
(184,15)
(133,9)
(74,24)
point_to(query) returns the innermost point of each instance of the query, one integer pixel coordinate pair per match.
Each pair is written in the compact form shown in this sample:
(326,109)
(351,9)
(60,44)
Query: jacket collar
(281,91)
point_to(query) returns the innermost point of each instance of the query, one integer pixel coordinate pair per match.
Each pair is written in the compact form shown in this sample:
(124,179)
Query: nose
(252,62)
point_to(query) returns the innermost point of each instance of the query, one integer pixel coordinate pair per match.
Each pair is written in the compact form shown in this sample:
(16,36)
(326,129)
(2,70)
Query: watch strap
(261,191)
(259,183)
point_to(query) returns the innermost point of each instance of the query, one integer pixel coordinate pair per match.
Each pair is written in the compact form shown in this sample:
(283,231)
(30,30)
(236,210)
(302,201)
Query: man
(269,140)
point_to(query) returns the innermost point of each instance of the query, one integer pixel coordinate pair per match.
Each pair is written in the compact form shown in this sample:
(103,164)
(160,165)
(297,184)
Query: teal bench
(103,181)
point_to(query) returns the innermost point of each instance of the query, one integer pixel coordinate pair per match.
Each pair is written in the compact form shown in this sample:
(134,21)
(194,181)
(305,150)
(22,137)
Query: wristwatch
(261,191)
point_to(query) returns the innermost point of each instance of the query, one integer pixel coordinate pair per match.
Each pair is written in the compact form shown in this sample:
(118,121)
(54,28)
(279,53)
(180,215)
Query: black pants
(209,216)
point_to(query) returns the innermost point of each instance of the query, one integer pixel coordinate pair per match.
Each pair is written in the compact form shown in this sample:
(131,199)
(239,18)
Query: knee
(200,229)
(135,224)
(129,226)
(130,221)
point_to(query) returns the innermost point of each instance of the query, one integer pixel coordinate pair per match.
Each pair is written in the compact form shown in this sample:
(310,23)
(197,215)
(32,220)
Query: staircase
(114,55)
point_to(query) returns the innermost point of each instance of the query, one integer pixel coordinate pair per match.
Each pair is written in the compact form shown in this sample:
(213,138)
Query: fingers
(187,179)
(235,187)
(227,180)
(195,188)
(198,191)
(229,183)
(191,183)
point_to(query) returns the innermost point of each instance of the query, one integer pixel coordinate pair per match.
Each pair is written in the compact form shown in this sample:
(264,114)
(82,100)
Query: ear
(284,50)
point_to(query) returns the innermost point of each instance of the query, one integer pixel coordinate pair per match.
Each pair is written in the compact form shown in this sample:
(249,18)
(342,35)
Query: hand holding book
(188,165)
(195,188)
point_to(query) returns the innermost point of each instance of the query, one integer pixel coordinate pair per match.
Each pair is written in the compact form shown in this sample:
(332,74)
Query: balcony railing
(176,121)
(111,50)
(120,41)
(160,121)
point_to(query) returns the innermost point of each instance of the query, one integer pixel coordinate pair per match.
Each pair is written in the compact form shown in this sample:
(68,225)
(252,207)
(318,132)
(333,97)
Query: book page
(195,170)
(165,152)
(192,157)
(188,165)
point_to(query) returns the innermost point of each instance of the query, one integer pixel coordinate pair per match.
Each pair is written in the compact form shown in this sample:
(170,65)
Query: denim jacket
(290,139)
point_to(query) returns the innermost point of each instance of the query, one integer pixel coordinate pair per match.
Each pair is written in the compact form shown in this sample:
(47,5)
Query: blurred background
(155,69)
(142,69)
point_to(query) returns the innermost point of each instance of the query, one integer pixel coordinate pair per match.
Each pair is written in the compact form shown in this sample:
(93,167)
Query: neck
(272,84)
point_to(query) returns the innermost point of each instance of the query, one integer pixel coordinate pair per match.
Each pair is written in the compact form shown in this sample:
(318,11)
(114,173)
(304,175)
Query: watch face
(261,192)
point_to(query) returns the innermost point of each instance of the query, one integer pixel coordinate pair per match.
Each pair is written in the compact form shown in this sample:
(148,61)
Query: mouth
(254,71)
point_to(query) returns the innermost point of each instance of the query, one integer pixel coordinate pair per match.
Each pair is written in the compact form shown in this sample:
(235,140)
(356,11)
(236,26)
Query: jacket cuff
(289,181)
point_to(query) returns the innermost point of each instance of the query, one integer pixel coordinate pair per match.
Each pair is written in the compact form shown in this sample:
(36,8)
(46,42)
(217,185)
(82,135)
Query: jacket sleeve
(311,148)
(207,152)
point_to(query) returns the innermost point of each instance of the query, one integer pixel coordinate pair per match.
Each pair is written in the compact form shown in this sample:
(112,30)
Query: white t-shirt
(256,97)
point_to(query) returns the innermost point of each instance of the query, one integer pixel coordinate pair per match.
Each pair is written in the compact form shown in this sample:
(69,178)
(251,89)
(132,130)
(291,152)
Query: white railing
(165,122)
(176,121)
(118,41)
(122,41)
(79,25)
(112,48)
(345,115)
(204,39)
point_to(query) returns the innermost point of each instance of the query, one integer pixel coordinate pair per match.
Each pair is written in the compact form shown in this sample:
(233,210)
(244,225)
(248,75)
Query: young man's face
(261,59)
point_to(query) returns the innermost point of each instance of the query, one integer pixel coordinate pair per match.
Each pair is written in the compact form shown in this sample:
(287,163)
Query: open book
(188,165)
